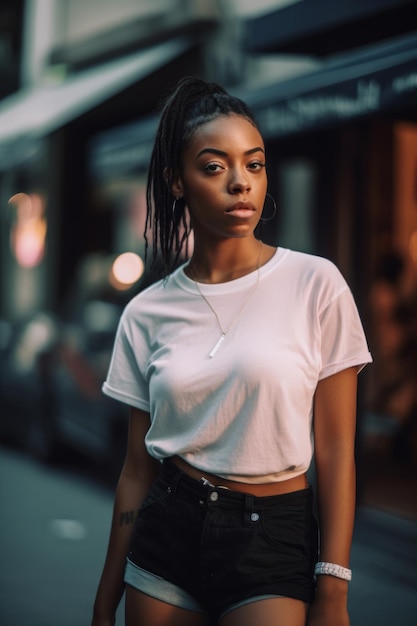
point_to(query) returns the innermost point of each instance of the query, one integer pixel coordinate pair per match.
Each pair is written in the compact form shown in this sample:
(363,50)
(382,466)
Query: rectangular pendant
(217,346)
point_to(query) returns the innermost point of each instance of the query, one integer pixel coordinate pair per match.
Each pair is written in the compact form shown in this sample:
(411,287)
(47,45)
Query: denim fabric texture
(219,548)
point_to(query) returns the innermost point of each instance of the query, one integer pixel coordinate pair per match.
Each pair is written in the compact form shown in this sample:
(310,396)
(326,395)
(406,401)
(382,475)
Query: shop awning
(123,149)
(323,27)
(381,78)
(30,114)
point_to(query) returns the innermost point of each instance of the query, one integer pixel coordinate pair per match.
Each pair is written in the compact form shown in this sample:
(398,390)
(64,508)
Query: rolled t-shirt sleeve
(343,341)
(125,379)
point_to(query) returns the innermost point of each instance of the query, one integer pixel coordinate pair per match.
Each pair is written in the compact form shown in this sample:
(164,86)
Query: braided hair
(193,103)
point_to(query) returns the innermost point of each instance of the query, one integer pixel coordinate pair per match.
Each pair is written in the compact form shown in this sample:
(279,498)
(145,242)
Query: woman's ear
(177,186)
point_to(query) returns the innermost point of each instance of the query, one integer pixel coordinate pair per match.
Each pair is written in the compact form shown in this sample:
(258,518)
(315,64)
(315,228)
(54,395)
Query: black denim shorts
(209,548)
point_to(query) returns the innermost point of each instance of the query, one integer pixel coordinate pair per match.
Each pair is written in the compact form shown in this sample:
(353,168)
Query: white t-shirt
(246,413)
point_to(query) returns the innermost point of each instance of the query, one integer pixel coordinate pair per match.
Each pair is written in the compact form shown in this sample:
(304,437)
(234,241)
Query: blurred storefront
(91,82)
(342,147)
(341,139)
(69,252)
(342,152)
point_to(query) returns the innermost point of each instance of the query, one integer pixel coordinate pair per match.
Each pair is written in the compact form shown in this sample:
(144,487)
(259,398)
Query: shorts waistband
(202,490)
(295,483)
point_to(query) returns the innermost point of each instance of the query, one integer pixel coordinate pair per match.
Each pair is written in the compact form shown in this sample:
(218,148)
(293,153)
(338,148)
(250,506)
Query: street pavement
(54,528)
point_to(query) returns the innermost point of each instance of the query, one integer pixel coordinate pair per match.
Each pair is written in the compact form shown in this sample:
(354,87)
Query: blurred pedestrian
(393,401)
(387,332)
(231,364)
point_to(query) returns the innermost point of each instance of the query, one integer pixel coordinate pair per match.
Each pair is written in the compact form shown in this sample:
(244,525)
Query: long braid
(193,103)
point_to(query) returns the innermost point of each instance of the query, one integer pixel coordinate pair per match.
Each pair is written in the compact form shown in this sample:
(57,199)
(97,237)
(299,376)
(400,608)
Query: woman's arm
(334,434)
(138,472)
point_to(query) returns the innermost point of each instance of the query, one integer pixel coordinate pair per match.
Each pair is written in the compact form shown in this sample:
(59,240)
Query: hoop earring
(174,206)
(274,211)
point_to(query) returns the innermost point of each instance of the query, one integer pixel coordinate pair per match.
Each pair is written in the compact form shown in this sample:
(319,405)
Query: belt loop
(249,500)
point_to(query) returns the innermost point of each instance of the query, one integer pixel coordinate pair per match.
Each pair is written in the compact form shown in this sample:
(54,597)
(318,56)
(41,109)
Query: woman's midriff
(259,490)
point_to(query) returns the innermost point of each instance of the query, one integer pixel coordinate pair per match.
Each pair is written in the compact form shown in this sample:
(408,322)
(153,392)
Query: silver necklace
(224,331)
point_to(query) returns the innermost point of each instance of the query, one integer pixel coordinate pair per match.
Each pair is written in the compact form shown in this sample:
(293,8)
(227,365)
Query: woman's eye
(256,165)
(212,167)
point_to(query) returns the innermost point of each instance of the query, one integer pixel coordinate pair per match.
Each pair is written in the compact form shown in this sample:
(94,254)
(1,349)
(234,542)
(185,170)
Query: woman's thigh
(143,610)
(271,611)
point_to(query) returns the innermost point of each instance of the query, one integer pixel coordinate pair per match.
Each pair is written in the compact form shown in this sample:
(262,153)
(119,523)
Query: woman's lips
(241,209)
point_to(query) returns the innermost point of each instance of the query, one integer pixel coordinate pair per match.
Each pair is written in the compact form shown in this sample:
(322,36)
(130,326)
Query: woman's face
(223,178)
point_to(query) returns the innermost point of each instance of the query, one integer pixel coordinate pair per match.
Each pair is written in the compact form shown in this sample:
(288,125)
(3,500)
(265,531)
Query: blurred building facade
(334,88)
(342,142)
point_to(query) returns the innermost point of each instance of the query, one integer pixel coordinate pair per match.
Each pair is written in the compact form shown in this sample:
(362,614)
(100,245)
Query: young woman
(231,364)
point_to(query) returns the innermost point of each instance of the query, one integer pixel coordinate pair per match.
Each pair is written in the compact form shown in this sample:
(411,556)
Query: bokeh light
(126,270)
(28,234)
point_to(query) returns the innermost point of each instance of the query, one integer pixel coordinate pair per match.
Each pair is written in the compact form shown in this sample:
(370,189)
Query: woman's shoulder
(312,265)
(311,276)
(161,291)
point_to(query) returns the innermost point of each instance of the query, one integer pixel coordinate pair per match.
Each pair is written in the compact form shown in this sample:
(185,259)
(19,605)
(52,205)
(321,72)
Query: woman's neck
(227,260)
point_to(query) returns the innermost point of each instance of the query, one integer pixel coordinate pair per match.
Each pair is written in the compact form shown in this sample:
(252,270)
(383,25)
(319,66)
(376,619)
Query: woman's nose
(239,182)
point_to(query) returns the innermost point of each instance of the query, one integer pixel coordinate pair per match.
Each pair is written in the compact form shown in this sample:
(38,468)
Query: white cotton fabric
(246,414)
